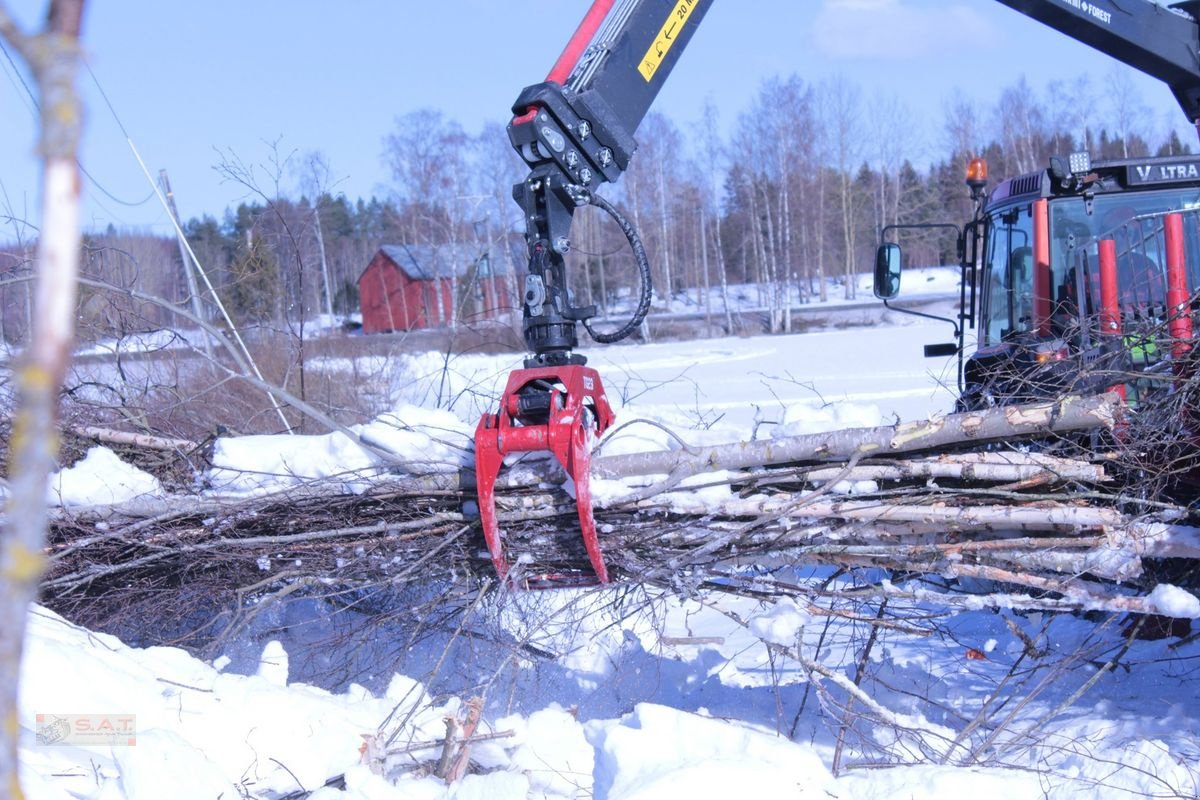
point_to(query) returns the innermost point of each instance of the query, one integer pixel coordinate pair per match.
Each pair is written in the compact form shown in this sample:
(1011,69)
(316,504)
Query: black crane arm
(1161,42)
(575,131)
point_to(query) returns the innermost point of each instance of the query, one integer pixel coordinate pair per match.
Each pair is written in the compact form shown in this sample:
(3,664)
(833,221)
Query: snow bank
(661,752)
(100,478)
(812,416)
(553,752)
(422,440)
(780,624)
(199,732)
(145,342)
(938,783)
(202,733)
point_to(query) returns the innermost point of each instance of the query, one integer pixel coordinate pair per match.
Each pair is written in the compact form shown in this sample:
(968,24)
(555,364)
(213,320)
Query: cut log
(947,517)
(1069,414)
(994,467)
(409,527)
(144,440)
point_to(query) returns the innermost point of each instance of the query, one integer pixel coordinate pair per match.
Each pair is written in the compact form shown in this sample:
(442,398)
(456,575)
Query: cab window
(1008,303)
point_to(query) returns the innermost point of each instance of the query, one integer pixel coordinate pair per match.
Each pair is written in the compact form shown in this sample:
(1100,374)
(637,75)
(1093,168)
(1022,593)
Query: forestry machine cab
(1067,271)
(575,131)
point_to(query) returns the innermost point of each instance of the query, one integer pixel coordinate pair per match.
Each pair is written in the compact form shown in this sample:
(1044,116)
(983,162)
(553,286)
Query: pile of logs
(956,499)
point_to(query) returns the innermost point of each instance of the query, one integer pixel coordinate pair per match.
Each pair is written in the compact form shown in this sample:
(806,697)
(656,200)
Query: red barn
(406,287)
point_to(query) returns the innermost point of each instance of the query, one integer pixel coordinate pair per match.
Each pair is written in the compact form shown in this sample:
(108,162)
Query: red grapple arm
(556,409)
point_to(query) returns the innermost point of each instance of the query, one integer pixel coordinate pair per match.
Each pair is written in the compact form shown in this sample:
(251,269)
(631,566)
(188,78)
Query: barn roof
(426,262)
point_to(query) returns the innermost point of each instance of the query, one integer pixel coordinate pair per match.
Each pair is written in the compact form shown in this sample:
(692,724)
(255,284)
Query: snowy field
(628,692)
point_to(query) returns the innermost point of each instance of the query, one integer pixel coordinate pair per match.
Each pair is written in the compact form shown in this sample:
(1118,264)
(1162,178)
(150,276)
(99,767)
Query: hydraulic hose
(643,264)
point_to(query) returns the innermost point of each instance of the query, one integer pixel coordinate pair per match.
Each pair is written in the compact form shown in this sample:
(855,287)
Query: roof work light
(977,175)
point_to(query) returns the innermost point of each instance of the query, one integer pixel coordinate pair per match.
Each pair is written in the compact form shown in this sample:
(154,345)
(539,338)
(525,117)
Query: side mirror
(887,271)
(941,350)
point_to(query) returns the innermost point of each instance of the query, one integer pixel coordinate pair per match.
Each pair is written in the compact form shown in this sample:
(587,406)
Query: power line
(35,110)
(109,194)
(17,72)
(121,125)
(107,102)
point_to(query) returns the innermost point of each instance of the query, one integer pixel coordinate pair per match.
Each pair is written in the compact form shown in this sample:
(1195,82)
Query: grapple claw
(553,409)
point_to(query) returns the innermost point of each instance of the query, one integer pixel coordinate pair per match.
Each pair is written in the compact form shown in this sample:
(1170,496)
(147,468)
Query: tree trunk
(668,282)
(822,288)
(53,56)
(705,279)
(785,243)
(848,235)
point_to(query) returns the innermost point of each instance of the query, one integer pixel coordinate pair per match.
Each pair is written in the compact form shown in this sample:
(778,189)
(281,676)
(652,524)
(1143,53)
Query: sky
(193,84)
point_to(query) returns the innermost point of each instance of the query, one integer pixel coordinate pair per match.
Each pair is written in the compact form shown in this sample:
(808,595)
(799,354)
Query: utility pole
(324,266)
(189,274)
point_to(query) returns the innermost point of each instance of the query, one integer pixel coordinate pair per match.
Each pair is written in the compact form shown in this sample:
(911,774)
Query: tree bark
(143,440)
(989,467)
(1071,413)
(53,56)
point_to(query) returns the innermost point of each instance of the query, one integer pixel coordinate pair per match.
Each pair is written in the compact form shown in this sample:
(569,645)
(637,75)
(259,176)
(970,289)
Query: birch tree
(1070,106)
(1021,123)
(426,153)
(497,168)
(53,57)
(652,187)
(784,110)
(1128,109)
(892,128)
(844,99)
(712,158)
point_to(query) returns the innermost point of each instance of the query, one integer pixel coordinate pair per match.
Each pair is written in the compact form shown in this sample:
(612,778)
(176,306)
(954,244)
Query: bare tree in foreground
(53,56)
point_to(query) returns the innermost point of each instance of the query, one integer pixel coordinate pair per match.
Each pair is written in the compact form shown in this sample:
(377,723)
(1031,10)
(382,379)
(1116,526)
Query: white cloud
(898,29)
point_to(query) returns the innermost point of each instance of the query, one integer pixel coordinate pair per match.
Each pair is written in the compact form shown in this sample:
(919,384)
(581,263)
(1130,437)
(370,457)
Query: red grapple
(543,409)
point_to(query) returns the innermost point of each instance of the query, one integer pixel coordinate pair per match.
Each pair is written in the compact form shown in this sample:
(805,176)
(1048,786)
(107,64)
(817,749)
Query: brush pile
(999,503)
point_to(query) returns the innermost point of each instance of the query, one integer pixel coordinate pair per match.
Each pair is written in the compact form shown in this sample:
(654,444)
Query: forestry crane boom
(575,131)
(1162,42)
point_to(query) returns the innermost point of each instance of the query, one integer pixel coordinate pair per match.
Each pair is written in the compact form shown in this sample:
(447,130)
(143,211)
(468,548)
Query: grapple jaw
(559,409)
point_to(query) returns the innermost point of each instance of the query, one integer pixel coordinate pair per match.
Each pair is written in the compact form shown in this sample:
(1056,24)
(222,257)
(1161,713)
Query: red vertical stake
(1179,324)
(1041,266)
(1110,309)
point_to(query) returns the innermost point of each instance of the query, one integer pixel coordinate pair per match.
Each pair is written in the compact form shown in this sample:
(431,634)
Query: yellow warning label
(666,37)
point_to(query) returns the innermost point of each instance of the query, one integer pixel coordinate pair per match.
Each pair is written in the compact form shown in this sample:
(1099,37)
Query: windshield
(1072,227)
(1132,219)
(1134,222)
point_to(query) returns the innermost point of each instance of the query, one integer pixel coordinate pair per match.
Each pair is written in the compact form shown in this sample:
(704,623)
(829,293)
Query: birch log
(1072,413)
(143,440)
(981,467)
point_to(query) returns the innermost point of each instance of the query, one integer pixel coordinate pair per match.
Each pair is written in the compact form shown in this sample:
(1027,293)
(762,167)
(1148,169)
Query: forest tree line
(786,202)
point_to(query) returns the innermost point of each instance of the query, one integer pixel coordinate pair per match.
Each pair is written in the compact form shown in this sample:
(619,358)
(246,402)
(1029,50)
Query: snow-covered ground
(622,693)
